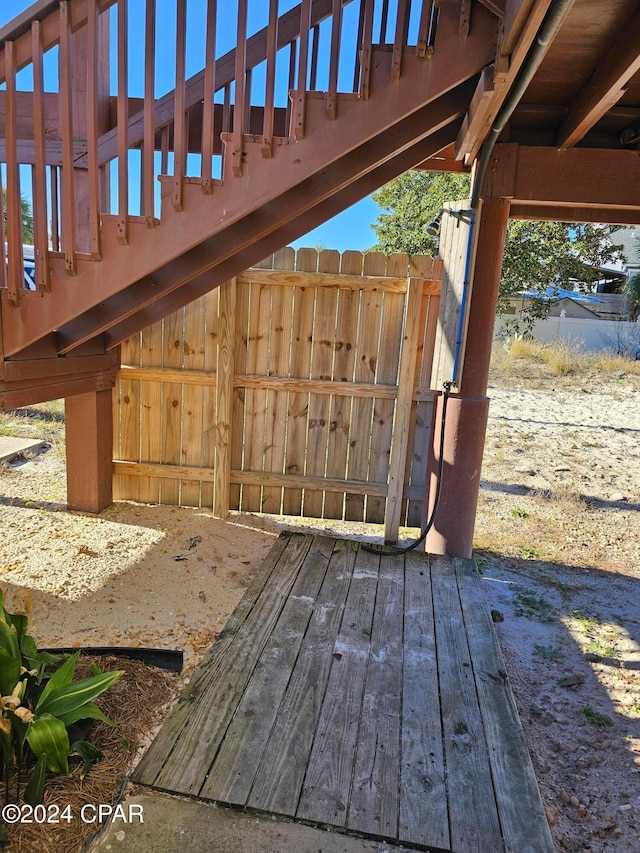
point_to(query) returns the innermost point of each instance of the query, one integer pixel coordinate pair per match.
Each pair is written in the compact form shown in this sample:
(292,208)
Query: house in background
(563,303)
(629,238)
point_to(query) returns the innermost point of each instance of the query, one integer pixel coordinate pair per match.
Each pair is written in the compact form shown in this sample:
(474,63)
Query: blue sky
(350,230)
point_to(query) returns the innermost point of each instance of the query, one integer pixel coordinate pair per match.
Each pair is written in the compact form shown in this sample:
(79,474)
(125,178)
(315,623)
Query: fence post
(402,419)
(224,399)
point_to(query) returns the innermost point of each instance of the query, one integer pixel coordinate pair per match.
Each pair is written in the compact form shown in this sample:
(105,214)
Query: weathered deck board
(363,693)
(423,805)
(469,787)
(374,801)
(232,773)
(514,783)
(325,795)
(281,773)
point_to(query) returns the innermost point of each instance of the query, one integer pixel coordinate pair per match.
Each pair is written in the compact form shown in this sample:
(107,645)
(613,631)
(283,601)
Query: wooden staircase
(142,204)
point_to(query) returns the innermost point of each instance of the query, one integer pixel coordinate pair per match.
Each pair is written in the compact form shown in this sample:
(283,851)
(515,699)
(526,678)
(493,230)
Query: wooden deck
(362,693)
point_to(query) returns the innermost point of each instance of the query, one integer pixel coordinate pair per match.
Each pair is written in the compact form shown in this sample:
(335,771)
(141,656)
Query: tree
(632,290)
(27,218)
(537,255)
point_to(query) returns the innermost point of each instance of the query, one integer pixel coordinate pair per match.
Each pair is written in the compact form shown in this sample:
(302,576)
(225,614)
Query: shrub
(44,713)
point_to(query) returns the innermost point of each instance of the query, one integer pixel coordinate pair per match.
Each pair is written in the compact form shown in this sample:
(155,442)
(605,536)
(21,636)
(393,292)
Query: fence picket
(171,405)
(302,331)
(151,412)
(279,365)
(324,330)
(211,312)
(387,374)
(375,263)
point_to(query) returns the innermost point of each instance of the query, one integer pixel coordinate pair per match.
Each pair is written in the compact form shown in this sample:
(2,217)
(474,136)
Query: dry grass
(530,363)
(136,704)
(41,421)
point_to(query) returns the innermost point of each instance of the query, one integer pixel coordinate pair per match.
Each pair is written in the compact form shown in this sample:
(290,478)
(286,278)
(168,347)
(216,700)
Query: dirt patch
(559,548)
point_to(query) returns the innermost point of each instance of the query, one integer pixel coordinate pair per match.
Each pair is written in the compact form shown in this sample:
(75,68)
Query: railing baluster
(238,108)
(367,39)
(315,47)
(247,100)
(402,28)
(208,116)
(433,26)
(336,30)
(39,181)
(123,120)
(92,129)
(422,48)
(148,150)
(179,140)
(383,22)
(226,109)
(301,89)
(291,82)
(66,125)
(356,71)
(164,151)
(55,209)
(269,97)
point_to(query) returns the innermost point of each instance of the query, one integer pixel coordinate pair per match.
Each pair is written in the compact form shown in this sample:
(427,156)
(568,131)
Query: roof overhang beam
(606,86)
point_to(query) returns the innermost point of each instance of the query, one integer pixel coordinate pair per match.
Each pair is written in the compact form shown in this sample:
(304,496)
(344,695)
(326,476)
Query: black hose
(396,551)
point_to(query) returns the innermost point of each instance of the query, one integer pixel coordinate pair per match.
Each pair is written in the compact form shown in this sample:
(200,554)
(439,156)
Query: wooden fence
(301,387)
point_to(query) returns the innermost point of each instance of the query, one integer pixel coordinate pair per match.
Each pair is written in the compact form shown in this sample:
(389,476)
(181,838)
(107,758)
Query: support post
(89,439)
(89,417)
(452,532)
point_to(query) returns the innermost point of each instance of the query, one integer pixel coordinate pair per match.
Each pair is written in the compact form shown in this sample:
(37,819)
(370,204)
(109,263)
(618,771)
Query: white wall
(591,335)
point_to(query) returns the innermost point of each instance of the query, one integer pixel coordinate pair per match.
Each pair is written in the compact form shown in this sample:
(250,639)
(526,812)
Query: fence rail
(300,388)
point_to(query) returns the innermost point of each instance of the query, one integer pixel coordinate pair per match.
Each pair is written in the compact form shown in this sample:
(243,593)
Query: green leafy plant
(518,512)
(44,713)
(533,604)
(595,717)
(552,653)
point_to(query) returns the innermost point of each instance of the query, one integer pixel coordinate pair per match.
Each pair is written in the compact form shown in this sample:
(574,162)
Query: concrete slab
(160,823)
(10,447)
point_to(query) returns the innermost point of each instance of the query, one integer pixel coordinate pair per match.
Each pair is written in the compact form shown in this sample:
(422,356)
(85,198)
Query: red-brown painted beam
(606,86)
(573,213)
(575,177)
(27,392)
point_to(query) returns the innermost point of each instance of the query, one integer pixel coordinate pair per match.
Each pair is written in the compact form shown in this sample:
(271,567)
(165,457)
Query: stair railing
(84,151)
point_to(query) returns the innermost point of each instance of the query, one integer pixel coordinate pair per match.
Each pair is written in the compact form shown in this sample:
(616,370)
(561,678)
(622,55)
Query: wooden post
(452,532)
(224,399)
(402,419)
(88,417)
(89,439)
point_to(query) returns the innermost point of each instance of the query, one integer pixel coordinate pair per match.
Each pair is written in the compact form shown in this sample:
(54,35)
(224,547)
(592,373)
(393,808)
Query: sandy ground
(558,540)
(559,530)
